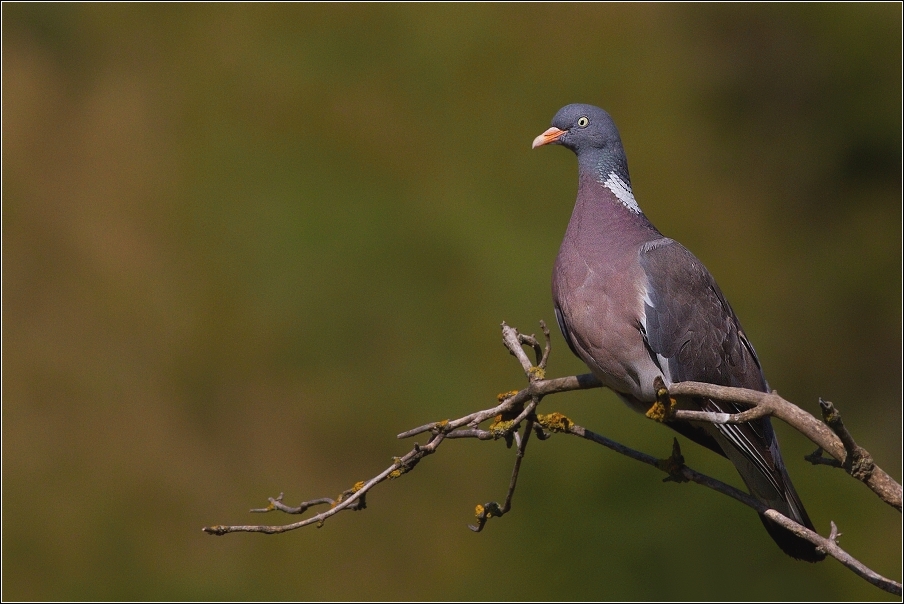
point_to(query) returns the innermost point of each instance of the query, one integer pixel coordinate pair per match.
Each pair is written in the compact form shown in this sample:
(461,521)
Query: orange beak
(550,136)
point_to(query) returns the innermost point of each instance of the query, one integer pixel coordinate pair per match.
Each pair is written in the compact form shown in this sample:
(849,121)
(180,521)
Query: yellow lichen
(555,422)
(537,372)
(478,511)
(504,395)
(500,428)
(658,410)
(346,494)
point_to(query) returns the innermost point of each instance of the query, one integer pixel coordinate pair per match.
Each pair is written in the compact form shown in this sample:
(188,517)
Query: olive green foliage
(244,246)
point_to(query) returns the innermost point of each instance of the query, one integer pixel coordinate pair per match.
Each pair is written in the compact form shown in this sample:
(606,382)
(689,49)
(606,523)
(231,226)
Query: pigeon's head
(581,127)
(591,134)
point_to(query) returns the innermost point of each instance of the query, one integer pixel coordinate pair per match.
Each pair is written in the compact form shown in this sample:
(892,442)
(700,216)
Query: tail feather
(793,508)
(754,451)
(791,544)
(776,490)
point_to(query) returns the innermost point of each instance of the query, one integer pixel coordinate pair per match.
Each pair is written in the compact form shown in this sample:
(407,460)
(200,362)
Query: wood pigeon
(634,305)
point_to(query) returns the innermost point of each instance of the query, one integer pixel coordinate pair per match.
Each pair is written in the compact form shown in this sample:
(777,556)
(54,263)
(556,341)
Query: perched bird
(635,305)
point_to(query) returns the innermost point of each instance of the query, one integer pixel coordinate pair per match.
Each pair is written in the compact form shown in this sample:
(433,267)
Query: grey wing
(689,325)
(692,333)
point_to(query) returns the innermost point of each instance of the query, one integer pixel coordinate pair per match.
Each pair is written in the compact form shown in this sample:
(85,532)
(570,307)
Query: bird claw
(662,409)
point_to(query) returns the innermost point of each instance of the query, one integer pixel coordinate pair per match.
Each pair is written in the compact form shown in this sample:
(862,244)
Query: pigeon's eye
(583,121)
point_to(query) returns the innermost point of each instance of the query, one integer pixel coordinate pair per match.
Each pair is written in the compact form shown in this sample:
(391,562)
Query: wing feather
(691,327)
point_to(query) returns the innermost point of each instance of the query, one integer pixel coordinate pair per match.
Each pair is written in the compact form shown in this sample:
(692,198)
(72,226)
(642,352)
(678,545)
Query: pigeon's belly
(601,309)
(616,355)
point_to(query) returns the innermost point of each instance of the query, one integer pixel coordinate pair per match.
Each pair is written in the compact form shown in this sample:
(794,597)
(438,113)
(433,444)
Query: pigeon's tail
(767,479)
(753,449)
(791,544)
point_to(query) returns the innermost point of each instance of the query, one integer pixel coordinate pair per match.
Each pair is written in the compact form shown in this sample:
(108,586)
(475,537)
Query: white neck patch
(622,191)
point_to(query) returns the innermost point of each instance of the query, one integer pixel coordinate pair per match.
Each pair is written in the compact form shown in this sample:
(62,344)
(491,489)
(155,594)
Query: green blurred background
(244,246)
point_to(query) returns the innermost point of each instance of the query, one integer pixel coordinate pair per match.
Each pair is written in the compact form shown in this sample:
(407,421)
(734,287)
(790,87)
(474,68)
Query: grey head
(591,134)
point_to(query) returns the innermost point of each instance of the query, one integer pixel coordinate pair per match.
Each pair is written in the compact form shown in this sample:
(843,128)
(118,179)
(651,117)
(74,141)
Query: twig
(818,459)
(857,461)
(492,509)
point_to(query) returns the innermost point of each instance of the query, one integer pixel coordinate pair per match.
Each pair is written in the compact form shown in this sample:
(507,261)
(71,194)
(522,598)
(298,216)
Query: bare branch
(511,339)
(431,427)
(277,504)
(517,407)
(830,546)
(722,418)
(857,462)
